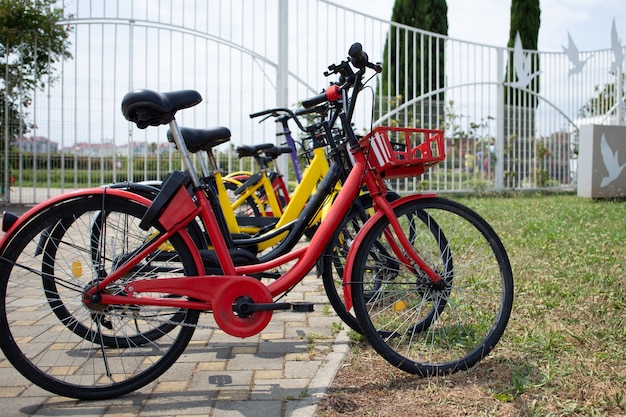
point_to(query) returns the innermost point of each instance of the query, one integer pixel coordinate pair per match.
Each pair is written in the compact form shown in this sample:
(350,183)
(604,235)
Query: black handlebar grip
(358,57)
(302,110)
(314,101)
(332,93)
(261,113)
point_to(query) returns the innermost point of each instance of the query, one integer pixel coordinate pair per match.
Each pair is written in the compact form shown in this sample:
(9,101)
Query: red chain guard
(226,297)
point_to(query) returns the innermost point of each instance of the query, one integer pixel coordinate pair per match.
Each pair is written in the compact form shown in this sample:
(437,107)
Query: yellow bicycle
(264,225)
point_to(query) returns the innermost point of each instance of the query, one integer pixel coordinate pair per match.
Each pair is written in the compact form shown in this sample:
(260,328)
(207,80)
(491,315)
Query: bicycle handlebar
(348,78)
(272,112)
(322,110)
(279,111)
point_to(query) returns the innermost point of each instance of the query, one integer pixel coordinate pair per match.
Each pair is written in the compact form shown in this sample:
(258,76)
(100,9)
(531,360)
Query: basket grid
(399,152)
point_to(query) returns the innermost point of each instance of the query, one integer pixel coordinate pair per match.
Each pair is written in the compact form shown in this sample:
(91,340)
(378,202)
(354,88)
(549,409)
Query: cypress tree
(519,116)
(414,63)
(525,20)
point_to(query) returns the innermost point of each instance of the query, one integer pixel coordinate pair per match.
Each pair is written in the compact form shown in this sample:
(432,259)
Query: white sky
(487,21)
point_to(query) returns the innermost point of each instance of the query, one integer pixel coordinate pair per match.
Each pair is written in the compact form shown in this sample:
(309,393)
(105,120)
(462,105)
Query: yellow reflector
(166,247)
(77,269)
(399,305)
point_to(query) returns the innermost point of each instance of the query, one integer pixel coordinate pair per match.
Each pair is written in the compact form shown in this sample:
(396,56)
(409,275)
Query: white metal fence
(244,56)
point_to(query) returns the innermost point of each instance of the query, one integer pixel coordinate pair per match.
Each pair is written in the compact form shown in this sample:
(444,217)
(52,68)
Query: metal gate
(244,56)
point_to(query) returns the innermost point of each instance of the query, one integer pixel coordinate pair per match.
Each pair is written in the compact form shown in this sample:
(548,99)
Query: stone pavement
(281,372)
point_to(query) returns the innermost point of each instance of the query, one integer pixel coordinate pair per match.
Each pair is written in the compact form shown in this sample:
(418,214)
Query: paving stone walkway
(283,371)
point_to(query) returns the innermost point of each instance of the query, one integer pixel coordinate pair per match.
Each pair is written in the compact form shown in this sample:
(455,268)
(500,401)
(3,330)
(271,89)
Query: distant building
(109,149)
(134,148)
(91,149)
(37,144)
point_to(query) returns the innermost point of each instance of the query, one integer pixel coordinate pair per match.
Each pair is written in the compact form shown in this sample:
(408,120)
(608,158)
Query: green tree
(414,64)
(31,43)
(603,101)
(525,20)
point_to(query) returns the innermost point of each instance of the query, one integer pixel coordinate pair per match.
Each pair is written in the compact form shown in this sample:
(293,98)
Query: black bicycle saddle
(151,108)
(202,139)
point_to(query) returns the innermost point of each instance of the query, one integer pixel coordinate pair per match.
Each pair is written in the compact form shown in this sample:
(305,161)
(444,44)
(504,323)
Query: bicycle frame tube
(309,213)
(313,174)
(316,170)
(222,195)
(239,176)
(280,189)
(272,191)
(204,287)
(292,145)
(270,196)
(310,254)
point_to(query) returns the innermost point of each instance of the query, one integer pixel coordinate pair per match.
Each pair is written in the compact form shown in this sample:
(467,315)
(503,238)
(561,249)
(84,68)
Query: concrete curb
(323,378)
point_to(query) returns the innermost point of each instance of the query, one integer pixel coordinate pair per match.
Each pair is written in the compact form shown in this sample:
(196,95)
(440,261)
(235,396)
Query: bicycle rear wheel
(395,312)
(83,350)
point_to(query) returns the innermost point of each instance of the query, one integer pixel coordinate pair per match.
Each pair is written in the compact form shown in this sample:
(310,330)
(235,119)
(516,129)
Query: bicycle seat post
(203,165)
(212,162)
(184,152)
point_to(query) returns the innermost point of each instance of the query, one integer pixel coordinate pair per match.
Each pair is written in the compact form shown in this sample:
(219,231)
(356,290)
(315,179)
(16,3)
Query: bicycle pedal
(302,307)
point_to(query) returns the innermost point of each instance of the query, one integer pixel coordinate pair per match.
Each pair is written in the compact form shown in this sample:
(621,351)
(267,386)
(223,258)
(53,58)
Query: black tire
(478,301)
(87,364)
(333,261)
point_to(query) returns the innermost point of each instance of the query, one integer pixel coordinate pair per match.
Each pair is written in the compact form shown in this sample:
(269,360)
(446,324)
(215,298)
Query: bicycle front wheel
(425,328)
(334,258)
(78,349)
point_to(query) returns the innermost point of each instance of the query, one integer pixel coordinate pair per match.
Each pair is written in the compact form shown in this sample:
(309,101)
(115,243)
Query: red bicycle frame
(223,294)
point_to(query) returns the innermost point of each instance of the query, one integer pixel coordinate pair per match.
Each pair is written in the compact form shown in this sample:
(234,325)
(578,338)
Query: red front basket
(399,152)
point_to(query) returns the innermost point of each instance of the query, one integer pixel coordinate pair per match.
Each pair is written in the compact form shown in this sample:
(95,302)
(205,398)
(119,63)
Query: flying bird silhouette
(611,162)
(522,66)
(572,53)
(616,45)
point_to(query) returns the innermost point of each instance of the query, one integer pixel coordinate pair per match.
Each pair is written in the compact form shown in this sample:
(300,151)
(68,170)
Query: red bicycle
(97,315)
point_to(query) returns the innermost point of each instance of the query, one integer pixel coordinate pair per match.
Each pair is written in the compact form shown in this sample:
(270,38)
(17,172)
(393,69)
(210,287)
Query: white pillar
(282,72)
(619,89)
(499,169)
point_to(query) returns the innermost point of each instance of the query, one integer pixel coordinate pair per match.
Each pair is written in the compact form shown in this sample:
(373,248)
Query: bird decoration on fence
(611,162)
(574,56)
(616,46)
(522,66)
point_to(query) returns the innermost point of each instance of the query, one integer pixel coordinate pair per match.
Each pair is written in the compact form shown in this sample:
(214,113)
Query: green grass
(566,342)
(563,352)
